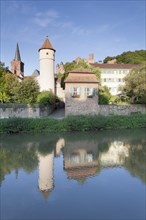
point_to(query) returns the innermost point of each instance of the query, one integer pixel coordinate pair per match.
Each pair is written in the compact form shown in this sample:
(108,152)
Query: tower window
(47,53)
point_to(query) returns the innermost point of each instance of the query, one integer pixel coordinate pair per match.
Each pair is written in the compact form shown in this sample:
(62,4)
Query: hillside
(132,57)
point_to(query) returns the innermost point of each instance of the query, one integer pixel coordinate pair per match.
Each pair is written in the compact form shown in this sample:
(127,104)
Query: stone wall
(24,111)
(122,109)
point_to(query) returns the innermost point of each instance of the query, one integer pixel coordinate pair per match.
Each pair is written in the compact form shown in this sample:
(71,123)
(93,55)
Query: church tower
(17,66)
(47,59)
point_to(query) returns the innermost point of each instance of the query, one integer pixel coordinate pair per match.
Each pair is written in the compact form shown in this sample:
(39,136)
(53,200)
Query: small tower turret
(47,59)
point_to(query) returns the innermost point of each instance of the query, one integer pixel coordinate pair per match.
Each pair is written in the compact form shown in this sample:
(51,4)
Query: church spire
(17,53)
(17,66)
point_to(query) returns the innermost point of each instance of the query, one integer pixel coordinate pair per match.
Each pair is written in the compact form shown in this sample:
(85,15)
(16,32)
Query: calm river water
(98,175)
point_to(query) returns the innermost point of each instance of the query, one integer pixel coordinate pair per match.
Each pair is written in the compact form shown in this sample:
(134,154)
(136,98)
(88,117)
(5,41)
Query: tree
(131,57)
(27,91)
(135,85)
(3,95)
(45,98)
(108,58)
(14,91)
(104,95)
(10,87)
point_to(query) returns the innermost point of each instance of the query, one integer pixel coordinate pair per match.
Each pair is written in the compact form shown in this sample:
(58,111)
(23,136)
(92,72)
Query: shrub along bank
(71,123)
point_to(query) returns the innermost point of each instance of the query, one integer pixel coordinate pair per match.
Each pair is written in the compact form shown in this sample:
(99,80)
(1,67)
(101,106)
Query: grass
(72,123)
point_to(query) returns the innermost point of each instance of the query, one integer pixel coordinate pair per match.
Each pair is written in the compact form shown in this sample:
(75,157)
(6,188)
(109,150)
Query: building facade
(81,89)
(112,75)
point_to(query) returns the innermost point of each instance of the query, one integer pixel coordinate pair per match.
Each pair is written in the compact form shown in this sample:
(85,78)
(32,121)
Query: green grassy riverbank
(72,123)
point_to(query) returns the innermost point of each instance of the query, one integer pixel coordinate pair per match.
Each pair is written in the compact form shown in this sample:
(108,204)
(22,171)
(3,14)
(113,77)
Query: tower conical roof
(47,45)
(17,54)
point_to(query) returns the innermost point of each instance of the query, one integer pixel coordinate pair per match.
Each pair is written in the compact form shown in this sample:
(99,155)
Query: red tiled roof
(115,66)
(81,76)
(47,45)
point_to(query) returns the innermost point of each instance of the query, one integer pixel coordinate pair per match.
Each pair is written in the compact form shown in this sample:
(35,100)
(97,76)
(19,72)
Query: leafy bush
(119,100)
(46,97)
(104,95)
(27,91)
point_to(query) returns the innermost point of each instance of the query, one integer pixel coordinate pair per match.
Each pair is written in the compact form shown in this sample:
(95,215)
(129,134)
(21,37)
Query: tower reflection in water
(46,169)
(82,159)
(46,179)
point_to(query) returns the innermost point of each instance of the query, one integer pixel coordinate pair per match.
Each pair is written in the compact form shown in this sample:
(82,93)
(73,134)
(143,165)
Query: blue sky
(75,28)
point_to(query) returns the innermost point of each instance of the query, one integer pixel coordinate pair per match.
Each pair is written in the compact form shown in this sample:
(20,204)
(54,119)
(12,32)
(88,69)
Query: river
(93,175)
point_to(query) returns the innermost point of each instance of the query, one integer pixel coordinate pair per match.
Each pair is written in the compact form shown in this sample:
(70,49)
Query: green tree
(108,58)
(27,91)
(14,91)
(3,95)
(131,57)
(135,85)
(104,95)
(10,87)
(45,98)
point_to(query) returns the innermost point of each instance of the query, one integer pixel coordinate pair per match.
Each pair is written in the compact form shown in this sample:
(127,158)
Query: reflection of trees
(16,158)
(20,152)
(136,162)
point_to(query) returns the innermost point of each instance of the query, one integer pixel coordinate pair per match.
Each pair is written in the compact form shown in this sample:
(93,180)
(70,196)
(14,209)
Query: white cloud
(52,18)
(74,29)
(43,19)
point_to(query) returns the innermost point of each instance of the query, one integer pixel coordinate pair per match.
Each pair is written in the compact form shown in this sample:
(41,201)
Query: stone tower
(47,59)
(17,66)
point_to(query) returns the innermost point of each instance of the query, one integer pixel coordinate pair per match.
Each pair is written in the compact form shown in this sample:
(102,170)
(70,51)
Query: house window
(75,92)
(89,92)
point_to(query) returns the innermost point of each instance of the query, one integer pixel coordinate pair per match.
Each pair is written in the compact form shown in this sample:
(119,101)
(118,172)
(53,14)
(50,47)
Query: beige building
(81,89)
(112,75)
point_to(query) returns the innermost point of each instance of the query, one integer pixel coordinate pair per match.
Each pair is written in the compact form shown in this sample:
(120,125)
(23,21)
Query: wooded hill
(132,57)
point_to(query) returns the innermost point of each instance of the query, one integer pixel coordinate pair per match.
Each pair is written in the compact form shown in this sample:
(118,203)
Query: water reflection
(84,155)
(81,159)
(116,154)
(46,179)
